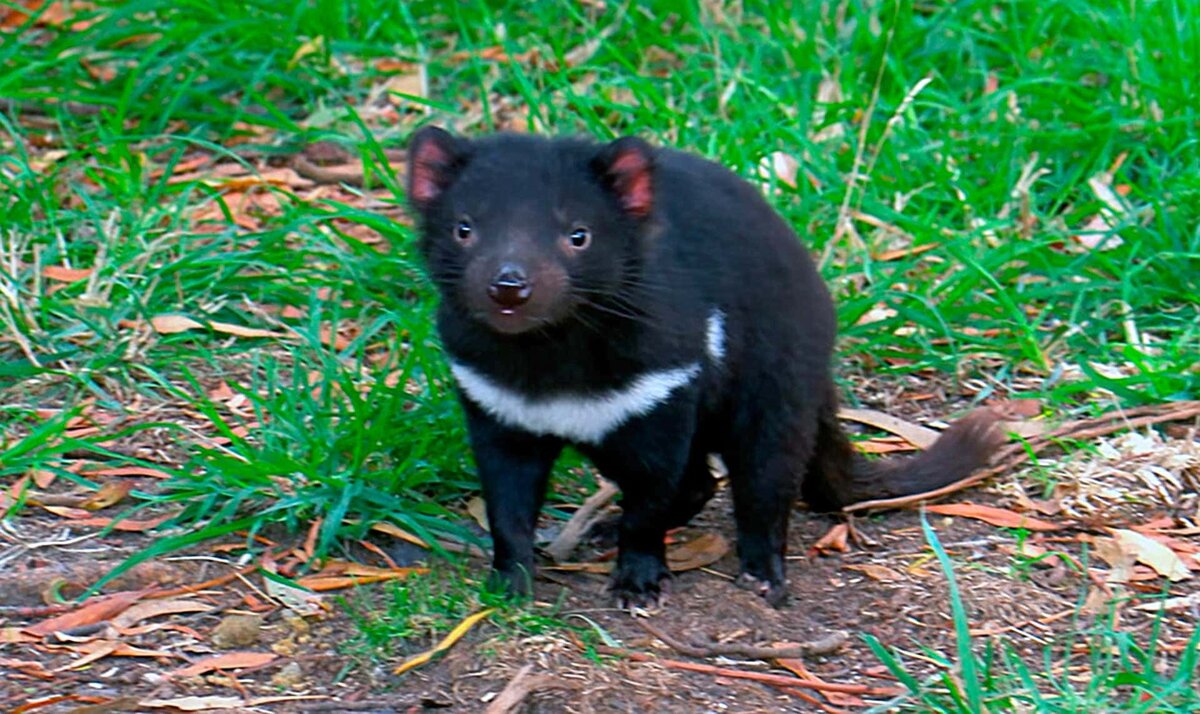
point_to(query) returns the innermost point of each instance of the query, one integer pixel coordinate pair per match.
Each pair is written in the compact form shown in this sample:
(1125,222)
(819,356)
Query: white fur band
(575,417)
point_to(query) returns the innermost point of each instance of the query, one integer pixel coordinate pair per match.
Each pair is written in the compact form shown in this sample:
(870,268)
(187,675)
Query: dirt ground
(884,582)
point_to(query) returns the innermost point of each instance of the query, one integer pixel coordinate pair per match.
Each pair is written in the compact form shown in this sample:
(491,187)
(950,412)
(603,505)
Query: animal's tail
(839,476)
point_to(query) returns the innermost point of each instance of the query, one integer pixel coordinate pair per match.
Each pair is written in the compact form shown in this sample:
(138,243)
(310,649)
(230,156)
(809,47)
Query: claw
(776,594)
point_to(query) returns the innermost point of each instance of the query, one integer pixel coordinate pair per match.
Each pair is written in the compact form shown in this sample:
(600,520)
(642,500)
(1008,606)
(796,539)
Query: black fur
(672,237)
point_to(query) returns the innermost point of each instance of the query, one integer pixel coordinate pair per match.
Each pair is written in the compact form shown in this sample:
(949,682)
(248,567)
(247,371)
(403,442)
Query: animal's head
(523,233)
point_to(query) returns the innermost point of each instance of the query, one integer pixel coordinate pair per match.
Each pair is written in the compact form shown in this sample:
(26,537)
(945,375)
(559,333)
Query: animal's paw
(515,582)
(775,593)
(640,582)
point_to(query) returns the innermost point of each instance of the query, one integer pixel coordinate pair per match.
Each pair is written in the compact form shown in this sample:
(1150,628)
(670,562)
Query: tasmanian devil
(649,308)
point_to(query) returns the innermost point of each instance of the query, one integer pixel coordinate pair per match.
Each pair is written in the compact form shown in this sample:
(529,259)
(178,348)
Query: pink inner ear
(631,172)
(428,163)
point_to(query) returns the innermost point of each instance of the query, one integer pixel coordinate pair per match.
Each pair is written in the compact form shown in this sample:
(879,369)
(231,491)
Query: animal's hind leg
(767,464)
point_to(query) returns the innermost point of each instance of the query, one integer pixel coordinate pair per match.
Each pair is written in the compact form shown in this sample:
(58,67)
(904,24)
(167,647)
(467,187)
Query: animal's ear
(627,168)
(434,158)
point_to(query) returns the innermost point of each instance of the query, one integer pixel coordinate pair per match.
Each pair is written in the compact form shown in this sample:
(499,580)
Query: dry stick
(825,645)
(519,687)
(775,680)
(215,582)
(580,522)
(352,173)
(805,696)
(1016,454)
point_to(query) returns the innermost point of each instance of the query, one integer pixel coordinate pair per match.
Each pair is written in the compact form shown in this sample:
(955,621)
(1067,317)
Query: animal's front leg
(646,458)
(514,467)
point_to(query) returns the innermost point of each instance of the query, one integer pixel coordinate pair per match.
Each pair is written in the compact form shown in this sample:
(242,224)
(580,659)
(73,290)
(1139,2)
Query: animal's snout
(509,287)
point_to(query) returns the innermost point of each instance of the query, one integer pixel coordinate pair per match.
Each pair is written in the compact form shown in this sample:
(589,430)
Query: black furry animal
(648,307)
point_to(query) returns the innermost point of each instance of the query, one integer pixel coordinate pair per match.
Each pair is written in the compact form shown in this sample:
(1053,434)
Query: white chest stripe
(715,336)
(581,418)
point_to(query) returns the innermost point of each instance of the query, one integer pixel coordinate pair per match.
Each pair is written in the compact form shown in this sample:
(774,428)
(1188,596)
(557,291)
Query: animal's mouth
(512,320)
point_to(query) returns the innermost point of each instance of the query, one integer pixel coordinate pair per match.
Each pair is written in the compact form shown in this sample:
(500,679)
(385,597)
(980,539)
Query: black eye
(580,238)
(463,231)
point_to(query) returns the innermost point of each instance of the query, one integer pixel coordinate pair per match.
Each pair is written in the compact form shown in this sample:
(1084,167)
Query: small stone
(236,631)
(290,677)
(286,647)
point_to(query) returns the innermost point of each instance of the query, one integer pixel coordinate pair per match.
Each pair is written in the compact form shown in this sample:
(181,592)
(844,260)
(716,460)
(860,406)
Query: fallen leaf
(877,572)
(1001,517)
(885,445)
(111,493)
(156,608)
(778,166)
(704,550)
(32,668)
(103,650)
(15,636)
(1150,552)
(447,642)
(95,610)
(397,532)
(834,540)
(841,699)
(126,525)
(919,436)
(240,331)
(1017,408)
(1119,559)
(907,252)
(128,471)
(194,704)
(66,275)
(478,510)
(319,583)
(172,324)
(232,660)
(1171,604)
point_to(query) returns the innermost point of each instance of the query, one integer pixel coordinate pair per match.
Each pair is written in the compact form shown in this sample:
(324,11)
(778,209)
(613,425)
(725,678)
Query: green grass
(1093,668)
(973,127)
(411,615)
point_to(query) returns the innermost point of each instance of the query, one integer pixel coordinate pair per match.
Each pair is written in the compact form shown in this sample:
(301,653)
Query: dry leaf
(886,445)
(112,492)
(1001,517)
(66,275)
(232,660)
(778,166)
(397,532)
(1171,604)
(834,540)
(478,510)
(194,704)
(919,436)
(155,608)
(94,610)
(1150,552)
(841,699)
(702,551)
(447,642)
(172,324)
(128,471)
(877,572)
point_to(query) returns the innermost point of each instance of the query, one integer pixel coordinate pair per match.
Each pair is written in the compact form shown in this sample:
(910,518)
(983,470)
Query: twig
(215,582)
(580,522)
(805,696)
(1016,454)
(775,680)
(825,645)
(519,687)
